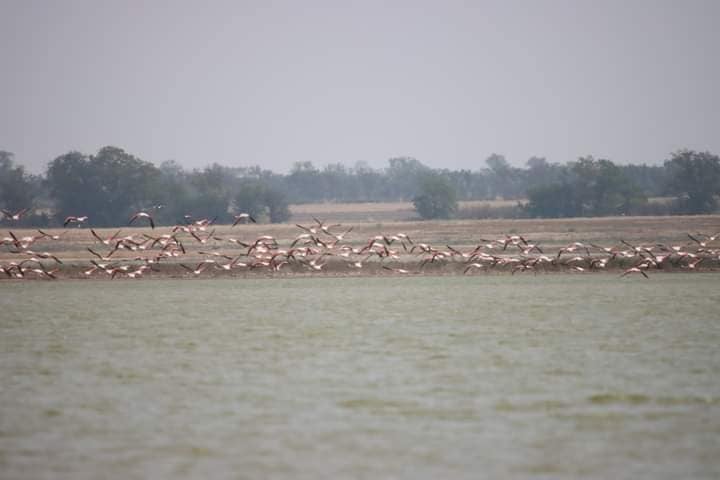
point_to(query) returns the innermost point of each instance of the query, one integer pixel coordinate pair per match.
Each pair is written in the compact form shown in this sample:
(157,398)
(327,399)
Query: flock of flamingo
(316,245)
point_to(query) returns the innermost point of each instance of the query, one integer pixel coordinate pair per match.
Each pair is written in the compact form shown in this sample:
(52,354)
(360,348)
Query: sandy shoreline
(340,270)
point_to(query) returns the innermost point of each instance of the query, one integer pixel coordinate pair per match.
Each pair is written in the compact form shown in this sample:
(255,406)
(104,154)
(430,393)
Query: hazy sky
(274,82)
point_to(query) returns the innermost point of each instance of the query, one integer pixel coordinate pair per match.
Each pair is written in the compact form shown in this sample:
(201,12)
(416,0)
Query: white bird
(198,270)
(396,270)
(14,216)
(243,217)
(358,263)
(634,270)
(51,237)
(105,241)
(694,263)
(473,265)
(142,215)
(74,219)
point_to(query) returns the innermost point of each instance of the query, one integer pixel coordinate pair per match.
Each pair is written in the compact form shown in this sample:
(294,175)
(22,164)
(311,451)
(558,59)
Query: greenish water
(548,376)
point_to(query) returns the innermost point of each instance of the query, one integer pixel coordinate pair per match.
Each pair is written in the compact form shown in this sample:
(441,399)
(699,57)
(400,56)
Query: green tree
(540,172)
(557,200)
(437,198)
(211,190)
(175,193)
(305,183)
(251,199)
(588,187)
(69,180)
(278,208)
(695,178)
(504,180)
(108,186)
(338,183)
(17,191)
(261,201)
(405,174)
(601,188)
(372,184)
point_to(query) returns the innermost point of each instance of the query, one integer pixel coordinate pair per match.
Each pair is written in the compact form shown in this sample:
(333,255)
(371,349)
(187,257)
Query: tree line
(112,184)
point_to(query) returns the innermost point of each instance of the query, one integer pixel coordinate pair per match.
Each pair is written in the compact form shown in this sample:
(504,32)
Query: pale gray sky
(274,82)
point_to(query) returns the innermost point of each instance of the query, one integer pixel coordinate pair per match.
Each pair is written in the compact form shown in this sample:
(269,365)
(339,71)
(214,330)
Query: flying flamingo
(74,219)
(473,265)
(523,267)
(202,240)
(324,227)
(104,258)
(105,241)
(694,263)
(401,271)
(15,217)
(42,272)
(51,237)
(358,263)
(198,270)
(315,264)
(340,236)
(634,270)
(142,215)
(243,217)
(43,255)
(135,273)
(24,242)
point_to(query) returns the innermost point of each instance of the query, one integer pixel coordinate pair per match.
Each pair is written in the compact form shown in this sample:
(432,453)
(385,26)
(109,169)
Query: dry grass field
(404,211)
(354,212)
(377,211)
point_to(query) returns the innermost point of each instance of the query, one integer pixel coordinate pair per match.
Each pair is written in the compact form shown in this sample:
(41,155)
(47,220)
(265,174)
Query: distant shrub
(489,211)
(262,201)
(437,198)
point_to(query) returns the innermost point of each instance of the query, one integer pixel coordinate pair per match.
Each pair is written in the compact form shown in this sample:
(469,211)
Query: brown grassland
(377,211)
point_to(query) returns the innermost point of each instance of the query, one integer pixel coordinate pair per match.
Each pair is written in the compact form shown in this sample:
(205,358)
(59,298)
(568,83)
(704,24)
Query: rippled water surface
(548,376)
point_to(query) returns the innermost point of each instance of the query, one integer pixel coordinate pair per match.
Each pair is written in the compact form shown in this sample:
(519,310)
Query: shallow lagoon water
(547,376)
